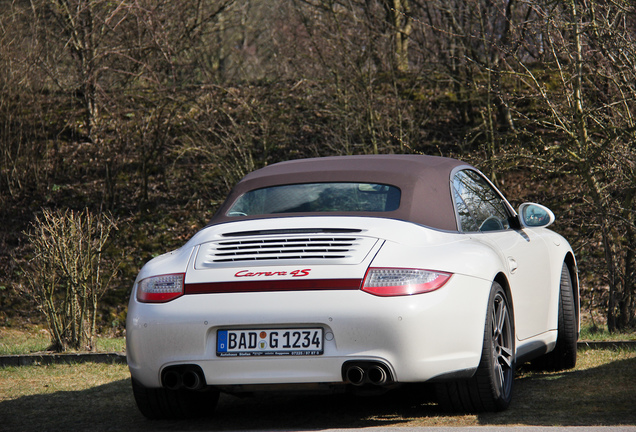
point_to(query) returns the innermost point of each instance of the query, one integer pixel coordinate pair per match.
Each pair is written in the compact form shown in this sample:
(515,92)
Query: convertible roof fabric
(424,181)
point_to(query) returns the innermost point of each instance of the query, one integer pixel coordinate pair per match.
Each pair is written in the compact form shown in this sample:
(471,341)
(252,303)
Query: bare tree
(227,141)
(588,94)
(468,42)
(83,27)
(399,15)
(26,113)
(574,64)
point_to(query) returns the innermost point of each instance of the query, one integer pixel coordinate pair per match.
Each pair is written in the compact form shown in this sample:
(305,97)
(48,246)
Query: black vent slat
(293,231)
(292,257)
(277,249)
(294,240)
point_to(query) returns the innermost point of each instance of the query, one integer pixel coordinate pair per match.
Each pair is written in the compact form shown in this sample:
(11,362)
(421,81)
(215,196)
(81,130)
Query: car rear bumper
(417,337)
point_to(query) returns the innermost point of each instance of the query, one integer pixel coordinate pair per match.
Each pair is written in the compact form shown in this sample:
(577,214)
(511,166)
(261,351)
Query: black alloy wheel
(490,389)
(563,356)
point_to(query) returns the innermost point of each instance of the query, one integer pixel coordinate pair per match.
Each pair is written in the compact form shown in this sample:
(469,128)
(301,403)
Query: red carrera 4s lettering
(293,273)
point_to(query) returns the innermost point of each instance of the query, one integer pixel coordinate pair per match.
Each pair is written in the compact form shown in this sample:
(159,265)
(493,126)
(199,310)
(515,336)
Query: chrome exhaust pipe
(377,375)
(355,375)
(172,380)
(367,372)
(192,380)
(189,377)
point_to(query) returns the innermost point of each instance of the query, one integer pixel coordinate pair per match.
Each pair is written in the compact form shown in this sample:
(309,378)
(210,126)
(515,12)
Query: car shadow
(112,407)
(600,396)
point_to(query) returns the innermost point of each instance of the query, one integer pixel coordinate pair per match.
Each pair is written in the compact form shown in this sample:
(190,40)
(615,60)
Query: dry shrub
(68,274)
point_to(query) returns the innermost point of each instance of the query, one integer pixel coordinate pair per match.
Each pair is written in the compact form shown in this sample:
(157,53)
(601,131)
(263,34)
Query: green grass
(600,391)
(33,339)
(23,341)
(108,344)
(594,333)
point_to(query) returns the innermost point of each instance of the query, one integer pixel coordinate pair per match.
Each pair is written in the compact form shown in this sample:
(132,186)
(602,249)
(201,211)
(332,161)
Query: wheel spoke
(502,346)
(499,374)
(506,356)
(500,317)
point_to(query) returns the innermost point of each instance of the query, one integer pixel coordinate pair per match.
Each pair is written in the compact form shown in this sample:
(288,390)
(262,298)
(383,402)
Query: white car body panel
(363,327)
(525,251)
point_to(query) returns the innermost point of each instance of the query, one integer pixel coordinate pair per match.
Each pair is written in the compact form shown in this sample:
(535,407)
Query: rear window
(317,198)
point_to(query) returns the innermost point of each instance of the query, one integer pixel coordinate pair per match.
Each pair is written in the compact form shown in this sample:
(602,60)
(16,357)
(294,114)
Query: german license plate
(269,342)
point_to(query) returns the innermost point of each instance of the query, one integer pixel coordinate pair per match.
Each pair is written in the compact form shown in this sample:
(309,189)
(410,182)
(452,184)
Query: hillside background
(149,111)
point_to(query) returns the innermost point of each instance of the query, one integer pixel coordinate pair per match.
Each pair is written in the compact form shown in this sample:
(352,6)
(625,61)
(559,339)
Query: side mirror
(533,215)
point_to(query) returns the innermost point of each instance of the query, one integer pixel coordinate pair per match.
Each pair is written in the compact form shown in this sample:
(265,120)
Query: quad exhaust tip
(361,373)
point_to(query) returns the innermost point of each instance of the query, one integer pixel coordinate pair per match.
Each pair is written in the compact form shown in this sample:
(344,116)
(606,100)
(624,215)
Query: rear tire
(563,356)
(162,403)
(490,389)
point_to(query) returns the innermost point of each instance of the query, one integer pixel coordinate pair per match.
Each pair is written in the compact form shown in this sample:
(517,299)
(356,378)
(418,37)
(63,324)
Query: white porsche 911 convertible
(355,272)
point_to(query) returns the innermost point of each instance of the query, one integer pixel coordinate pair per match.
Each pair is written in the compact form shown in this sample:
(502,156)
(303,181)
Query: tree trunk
(400,20)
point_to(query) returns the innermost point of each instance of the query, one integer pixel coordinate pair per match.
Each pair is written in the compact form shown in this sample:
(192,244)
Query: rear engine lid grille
(282,250)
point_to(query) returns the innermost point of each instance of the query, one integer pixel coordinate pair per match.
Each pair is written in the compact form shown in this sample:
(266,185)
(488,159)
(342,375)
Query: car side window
(479,206)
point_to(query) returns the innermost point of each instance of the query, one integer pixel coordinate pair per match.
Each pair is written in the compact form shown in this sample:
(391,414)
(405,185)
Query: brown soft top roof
(424,181)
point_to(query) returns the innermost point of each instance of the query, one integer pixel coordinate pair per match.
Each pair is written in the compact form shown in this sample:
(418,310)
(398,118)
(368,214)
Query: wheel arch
(502,280)
(570,262)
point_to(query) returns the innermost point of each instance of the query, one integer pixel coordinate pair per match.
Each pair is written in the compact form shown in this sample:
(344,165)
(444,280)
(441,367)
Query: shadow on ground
(605,395)
(111,407)
(601,396)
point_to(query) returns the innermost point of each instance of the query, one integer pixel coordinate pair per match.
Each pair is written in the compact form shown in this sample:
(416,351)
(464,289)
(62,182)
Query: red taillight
(388,282)
(160,289)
